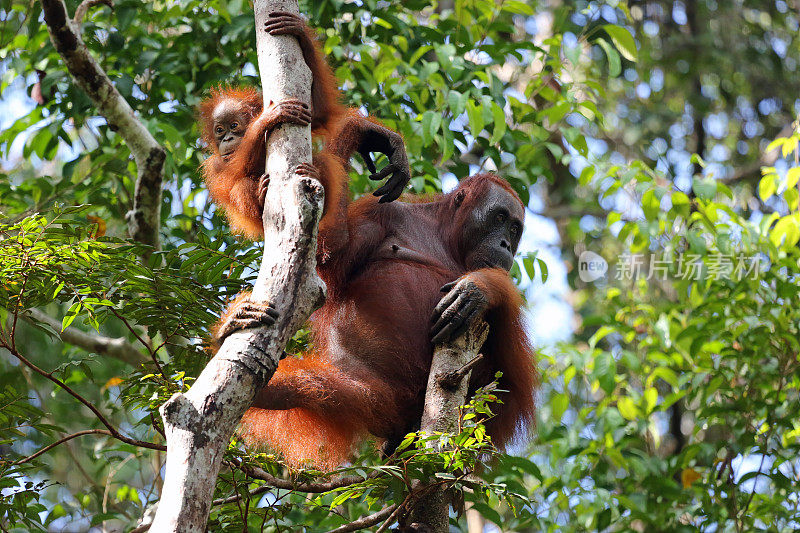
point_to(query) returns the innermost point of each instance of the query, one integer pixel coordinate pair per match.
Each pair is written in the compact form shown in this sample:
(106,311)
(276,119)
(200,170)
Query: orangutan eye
(218,130)
(514,230)
(234,125)
(501,217)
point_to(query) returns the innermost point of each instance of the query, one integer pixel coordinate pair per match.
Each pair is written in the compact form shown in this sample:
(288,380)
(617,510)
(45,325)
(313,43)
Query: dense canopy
(655,144)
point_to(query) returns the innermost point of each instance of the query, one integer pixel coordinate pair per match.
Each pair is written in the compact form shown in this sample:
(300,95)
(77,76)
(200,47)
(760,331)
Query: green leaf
(792,176)
(72,313)
(557,112)
(786,231)
(527,263)
(456,102)
(488,512)
(614,63)
(475,115)
(605,370)
(777,143)
(499,123)
(650,398)
(515,6)
(705,188)
(651,205)
(792,196)
(542,269)
(680,203)
(789,146)
(586,175)
(767,186)
(431,121)
(623,40)
(627,408)
(559,405)
(599,334)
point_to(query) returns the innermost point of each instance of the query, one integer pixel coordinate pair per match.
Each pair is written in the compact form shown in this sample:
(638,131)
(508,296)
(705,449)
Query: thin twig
(155,425)
(111,473)
(103,420)
(367,521)
(84,7)
(233,499)
(118,348)
(288,484)
(452,380)
(150,350)
(392,517)
(767,438)
(18,307)
(62,441)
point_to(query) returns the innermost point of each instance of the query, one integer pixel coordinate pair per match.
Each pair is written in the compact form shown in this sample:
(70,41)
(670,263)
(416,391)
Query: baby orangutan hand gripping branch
(374,337)
(235,124)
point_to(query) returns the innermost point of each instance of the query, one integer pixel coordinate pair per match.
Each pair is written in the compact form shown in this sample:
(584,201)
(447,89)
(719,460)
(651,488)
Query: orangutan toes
(263,187)
(308,170)
(290,111)
(283,23)
(247,314)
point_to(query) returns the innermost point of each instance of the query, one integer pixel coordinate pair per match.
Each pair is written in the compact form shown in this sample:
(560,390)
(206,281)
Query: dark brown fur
(368,371)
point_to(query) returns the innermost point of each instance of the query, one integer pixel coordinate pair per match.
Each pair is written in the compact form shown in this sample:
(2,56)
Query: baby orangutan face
(231,119)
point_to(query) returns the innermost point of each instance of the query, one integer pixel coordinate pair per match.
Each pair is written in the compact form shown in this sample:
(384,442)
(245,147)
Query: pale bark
(200,423)
(116,347)
(443,398)
(144,220)
(475,521)
(85,6)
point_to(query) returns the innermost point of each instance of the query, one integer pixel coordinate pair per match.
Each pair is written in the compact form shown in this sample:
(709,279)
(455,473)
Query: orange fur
(312,440)
(247,95)
(369,368)
(512,354)
(324,438)
(233,183)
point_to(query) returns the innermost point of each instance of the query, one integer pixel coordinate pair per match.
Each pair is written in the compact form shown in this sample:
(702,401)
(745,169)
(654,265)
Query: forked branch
(144,220)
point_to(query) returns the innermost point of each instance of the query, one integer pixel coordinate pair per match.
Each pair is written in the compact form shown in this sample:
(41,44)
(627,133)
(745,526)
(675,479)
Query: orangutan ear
(459,198)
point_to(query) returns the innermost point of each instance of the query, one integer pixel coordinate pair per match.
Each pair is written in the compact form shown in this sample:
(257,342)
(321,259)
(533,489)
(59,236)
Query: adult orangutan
(235,123)
(374,337)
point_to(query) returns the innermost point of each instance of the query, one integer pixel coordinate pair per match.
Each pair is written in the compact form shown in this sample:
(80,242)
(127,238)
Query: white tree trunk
(199,423)
(144,220)
(448,384)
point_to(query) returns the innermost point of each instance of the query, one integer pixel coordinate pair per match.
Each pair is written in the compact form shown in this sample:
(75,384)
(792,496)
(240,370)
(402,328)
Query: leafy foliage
(672,407)
(713,342)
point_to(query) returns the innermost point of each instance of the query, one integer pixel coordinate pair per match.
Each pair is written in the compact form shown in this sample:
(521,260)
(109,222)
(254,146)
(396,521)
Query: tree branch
(118,348)
(69,390)
(452,380)
(199,423)
(144,220)
(315,488)
(441,412)
(62,441)
(367,521)
(83,8)
(393,517)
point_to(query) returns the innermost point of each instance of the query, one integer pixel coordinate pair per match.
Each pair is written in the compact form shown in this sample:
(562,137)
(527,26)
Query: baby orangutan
(235,125)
